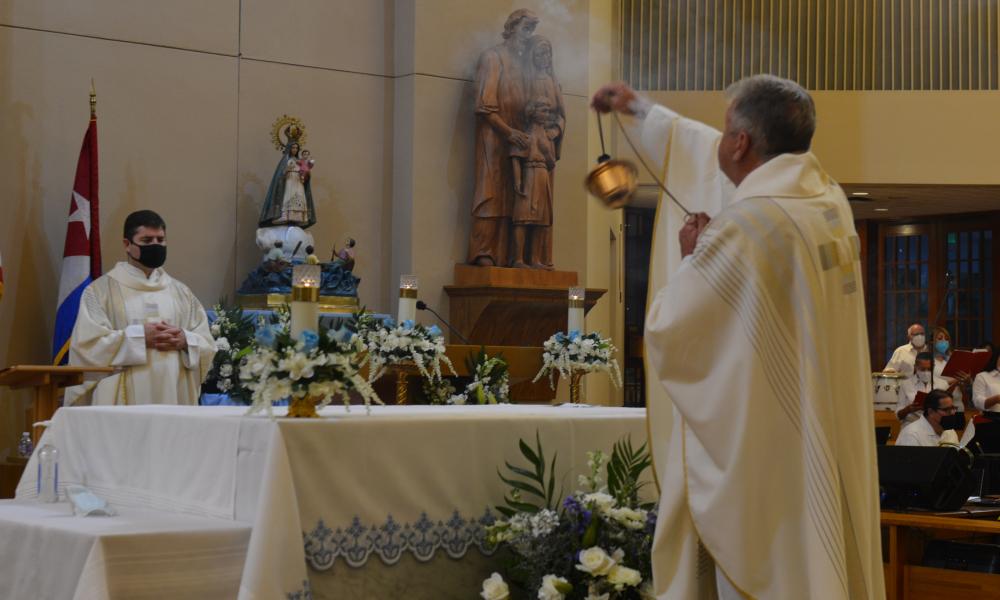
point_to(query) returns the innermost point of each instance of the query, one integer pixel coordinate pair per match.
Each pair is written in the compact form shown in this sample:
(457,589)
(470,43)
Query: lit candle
(305,299)
(574,320)
(407,298)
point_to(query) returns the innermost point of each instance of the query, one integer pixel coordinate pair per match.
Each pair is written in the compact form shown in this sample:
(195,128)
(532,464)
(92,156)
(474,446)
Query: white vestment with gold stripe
(763,441)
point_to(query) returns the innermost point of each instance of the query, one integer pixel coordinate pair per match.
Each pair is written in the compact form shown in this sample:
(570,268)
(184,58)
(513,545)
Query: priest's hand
(155,334)
(161,336)
(693,226)
(173,338)
(618,96)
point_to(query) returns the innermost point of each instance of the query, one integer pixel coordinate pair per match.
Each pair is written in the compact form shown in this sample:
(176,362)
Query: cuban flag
(82,252)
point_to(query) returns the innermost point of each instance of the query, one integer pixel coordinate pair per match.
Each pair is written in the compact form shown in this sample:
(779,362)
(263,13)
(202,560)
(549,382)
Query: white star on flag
(82,212)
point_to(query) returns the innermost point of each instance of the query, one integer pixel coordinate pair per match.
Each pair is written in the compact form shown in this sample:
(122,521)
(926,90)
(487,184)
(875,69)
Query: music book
(969,362)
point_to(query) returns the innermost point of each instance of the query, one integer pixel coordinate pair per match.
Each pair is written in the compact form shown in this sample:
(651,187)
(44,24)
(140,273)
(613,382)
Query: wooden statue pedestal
(511,307)
(498,306)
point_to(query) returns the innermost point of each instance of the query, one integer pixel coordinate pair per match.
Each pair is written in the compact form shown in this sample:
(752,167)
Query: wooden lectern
(47,381)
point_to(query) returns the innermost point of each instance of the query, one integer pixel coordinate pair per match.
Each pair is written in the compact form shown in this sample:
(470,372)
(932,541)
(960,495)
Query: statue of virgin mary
(289,198)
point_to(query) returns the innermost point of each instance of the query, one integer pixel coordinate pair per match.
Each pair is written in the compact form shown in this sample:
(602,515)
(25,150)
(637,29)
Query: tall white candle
(304,306)
(574,318)
(407,298)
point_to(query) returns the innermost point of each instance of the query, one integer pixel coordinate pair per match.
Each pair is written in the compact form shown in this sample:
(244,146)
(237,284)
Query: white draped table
(411,486)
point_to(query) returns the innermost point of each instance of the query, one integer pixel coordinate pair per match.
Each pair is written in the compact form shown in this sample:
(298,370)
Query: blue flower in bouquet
(265,336)
(578,512)
(309,340)
(408,324)
(574,335)
(389,323)
(434,331)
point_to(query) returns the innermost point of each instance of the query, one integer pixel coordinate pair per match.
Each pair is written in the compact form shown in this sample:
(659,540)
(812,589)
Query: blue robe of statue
(271,211)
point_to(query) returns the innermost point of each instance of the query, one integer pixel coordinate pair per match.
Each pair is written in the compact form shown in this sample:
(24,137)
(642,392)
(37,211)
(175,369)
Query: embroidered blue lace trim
(389,540)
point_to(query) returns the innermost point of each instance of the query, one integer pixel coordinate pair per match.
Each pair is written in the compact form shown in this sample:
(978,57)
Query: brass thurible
(614,181)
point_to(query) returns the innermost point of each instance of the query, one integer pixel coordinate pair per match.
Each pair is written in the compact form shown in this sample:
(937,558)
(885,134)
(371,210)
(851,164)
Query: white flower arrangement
(390,344)
(578,353)
(322,365)
(490,383)
(234,336)
(606,528)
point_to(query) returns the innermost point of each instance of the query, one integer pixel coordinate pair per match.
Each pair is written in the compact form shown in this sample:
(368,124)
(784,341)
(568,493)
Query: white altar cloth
(417,480)
(48,554)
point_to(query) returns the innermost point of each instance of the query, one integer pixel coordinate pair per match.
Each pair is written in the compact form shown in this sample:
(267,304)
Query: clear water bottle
(25,447)
(48,474)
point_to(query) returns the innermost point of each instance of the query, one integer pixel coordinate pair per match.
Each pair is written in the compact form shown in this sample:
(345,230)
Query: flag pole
(93,101)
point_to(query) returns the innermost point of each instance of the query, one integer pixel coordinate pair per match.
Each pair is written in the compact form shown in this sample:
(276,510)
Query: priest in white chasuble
(139,318)
(765,456)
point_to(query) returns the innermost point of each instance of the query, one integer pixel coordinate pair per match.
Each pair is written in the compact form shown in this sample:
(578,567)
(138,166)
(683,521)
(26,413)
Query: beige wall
(889,137)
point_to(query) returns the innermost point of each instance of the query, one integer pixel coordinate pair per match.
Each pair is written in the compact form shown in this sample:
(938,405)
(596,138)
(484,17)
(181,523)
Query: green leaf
(549,499)
(590,535)
(507,512)
(524,487)
(520,471)
(529,453)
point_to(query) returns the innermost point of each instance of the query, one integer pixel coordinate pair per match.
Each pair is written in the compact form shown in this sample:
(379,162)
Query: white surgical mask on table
(918,340)
(924,376)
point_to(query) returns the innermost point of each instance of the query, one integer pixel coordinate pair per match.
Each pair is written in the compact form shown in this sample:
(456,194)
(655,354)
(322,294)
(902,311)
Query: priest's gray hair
(777,114)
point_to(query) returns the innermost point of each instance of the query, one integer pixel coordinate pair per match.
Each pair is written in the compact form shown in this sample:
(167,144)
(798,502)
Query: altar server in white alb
(763,441)
(139,318)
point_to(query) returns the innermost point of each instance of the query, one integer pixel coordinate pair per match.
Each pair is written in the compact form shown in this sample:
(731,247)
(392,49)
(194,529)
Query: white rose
(630,518)
(595,561)
(554,588)
(495,588)
(620,577)
(601,501)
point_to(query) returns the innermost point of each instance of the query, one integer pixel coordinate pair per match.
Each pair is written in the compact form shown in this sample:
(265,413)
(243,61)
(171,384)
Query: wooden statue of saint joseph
(512,202)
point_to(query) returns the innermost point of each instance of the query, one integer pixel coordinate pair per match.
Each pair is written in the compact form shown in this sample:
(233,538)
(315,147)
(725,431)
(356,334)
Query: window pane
(975,309)
(923,275)
(963,245)
(914,247)
(900,248)
(975,244)
(922,309)
(924,253)
(976,275)
(952,247)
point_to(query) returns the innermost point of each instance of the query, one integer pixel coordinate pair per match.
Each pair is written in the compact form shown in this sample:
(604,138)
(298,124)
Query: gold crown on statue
(292,128)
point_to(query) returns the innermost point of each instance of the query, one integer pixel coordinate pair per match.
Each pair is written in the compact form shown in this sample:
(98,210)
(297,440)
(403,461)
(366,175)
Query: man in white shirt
(140,319)
(906,410)
(939,414)
(903,357)
(986,388)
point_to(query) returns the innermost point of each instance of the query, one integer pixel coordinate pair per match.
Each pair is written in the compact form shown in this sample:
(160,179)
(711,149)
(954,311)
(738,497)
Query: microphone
(421,305)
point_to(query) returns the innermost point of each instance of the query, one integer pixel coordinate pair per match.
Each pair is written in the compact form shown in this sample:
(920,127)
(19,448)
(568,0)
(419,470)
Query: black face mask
(152,256)
(955,421)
